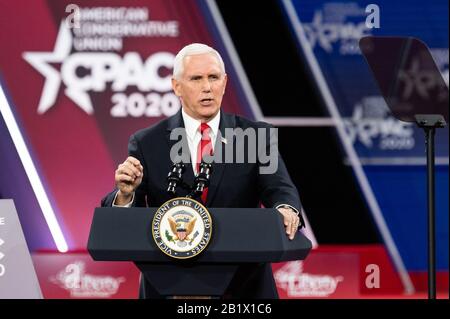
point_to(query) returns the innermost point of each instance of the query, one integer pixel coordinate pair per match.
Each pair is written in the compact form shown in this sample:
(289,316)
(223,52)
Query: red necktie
(204,148)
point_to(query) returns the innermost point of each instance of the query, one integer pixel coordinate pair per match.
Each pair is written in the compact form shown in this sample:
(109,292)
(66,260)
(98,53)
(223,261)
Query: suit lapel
(175,122)
(226,121)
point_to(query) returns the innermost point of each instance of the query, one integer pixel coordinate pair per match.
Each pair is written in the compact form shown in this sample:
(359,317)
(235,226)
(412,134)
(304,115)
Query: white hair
(193,49)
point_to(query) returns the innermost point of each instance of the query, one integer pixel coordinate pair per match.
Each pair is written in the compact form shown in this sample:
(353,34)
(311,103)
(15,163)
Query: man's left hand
(291,221)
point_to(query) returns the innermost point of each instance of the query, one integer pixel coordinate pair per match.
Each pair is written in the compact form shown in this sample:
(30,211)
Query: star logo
(41,62)
(422,80)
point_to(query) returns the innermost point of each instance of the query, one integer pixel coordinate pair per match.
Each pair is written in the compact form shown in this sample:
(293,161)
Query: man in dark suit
(199,80)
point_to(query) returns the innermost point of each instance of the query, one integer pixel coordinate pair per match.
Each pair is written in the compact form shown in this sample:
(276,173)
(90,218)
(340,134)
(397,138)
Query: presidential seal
(182,228)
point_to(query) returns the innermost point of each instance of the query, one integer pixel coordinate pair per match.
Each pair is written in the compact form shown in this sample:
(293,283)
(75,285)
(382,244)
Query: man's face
(201,86)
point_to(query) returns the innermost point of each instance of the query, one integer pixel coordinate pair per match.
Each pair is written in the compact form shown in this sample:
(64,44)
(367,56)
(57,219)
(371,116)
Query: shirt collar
(191,125)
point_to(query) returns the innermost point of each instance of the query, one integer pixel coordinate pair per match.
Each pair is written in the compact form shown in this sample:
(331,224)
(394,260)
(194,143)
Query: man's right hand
(128,177)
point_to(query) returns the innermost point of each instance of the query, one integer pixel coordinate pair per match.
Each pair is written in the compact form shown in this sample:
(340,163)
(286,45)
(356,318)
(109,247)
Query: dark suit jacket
(231,185)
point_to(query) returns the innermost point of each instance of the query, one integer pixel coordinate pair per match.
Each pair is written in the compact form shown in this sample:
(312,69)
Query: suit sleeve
(274,183)
(140,193)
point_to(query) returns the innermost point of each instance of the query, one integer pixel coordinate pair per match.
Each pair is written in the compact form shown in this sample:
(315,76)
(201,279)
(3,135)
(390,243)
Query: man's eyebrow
(198,76)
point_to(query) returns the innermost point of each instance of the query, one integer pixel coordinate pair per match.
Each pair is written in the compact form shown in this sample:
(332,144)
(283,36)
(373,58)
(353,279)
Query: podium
(240,236)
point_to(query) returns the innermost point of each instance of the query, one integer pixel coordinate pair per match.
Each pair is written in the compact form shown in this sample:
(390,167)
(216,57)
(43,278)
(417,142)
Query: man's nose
(206,86)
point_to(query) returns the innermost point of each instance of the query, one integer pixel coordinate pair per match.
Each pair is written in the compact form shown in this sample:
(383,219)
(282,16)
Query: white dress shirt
(194,136)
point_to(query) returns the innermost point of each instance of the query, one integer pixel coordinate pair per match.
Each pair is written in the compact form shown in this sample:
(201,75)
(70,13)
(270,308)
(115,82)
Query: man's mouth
(206,101)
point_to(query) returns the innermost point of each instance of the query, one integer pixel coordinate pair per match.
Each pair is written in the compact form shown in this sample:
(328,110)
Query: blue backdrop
(392,152)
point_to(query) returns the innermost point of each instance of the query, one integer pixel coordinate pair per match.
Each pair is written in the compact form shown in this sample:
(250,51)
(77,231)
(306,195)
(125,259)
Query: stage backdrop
(392,153)
(76,93)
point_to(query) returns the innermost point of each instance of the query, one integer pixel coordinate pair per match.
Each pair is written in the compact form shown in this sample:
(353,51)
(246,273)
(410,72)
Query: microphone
(175,177)
(202,179)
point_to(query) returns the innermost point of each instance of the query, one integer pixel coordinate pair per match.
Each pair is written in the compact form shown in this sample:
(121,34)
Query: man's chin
(208,112)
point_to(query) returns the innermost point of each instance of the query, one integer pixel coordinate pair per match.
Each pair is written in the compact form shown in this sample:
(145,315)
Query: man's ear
(225,82)
(176,87)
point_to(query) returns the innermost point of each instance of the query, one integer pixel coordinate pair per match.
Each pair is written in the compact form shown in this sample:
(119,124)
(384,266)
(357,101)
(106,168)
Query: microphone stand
(201,181)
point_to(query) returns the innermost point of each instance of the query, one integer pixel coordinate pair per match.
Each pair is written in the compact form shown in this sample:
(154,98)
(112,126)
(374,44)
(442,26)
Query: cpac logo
(424,81)
(74,279)
(325,34)
(99,68)
(370,121)
(291,278)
